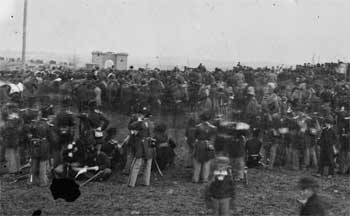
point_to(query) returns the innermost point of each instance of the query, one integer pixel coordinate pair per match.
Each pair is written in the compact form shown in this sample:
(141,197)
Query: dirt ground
(270,192)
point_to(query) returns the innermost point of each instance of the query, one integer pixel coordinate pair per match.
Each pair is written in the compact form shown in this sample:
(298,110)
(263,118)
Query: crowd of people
(266,117)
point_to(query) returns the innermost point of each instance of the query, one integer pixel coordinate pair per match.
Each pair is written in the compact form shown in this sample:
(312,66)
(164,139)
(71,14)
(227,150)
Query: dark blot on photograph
(65,188)
(37,213)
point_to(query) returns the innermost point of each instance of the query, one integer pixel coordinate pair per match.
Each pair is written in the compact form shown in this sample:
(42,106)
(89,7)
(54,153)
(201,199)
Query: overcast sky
(284,31)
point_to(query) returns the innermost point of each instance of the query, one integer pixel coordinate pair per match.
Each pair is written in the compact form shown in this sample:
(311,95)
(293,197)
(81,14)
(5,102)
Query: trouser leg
(273,151)
(13,160)
(288,157)
(135,168)
(313,156)
(196,170)
(57,158)
(2,152)
(147,172)
(306,156)
(225,206)
(263,155)
(239,164)
(216,206)
(189,157)
(34,170)
(295,159)
(205,171)
(129,161)
(43,169)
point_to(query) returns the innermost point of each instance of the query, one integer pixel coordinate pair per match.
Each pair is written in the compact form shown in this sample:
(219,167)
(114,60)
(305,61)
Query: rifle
(92,178)
(21,177)
(159,171)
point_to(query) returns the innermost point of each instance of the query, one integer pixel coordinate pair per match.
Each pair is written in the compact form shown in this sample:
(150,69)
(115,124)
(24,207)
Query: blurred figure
(327,144)
(190,140)
(311,203)
(221,190)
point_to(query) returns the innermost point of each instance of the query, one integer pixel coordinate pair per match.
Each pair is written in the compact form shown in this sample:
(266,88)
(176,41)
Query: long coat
(205,135)
(326,142)
(138,141)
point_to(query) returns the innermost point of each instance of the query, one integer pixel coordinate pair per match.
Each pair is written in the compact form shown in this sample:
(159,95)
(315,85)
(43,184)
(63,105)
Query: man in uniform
(204,150)
(95,120)
(11,140)
(99,160)
(40,149)
(64,128)
(142,148)
(252,108)
(327,141)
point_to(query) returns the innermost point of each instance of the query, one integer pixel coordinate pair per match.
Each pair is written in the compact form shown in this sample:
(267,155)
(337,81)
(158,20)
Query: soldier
(72,159)
(64,128)
(291,143)
(10,134)
(190,139)
(311,135)
(253,147)
(40,149)
(115,151)
(327,143)
(275,138)
(98,160)
(344,151)
(164,147)
(142,147)
(95,120)
(204,149)
(252,108)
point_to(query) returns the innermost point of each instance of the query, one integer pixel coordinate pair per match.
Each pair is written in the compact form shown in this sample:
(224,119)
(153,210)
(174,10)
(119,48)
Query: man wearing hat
(64,128)
(327,143)
(253,107)
(204,151)
(40,149)
(311,203)
(142,147)
(97,121)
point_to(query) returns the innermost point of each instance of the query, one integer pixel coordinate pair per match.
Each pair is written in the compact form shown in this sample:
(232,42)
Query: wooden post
(24,35)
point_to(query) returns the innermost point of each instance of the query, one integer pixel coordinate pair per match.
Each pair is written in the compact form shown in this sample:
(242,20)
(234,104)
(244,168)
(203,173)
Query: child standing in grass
(220,191)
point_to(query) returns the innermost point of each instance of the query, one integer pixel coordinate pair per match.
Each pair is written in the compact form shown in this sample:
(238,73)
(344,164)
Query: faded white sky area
(283,31)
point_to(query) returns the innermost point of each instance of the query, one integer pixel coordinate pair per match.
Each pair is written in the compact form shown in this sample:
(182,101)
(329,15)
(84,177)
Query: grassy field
(270,192)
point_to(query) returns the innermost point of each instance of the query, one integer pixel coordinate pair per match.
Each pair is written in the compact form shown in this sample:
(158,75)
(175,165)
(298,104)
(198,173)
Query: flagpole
(24,35)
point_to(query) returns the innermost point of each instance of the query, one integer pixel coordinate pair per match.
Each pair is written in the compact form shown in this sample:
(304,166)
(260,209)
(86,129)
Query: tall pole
(24,35)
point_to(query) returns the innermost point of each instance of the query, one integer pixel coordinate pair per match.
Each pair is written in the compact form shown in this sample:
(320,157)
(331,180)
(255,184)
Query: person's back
(253,146)
(311,203)
(313,206)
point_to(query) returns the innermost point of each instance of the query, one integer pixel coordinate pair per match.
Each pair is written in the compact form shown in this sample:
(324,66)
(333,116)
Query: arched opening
(109,63)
